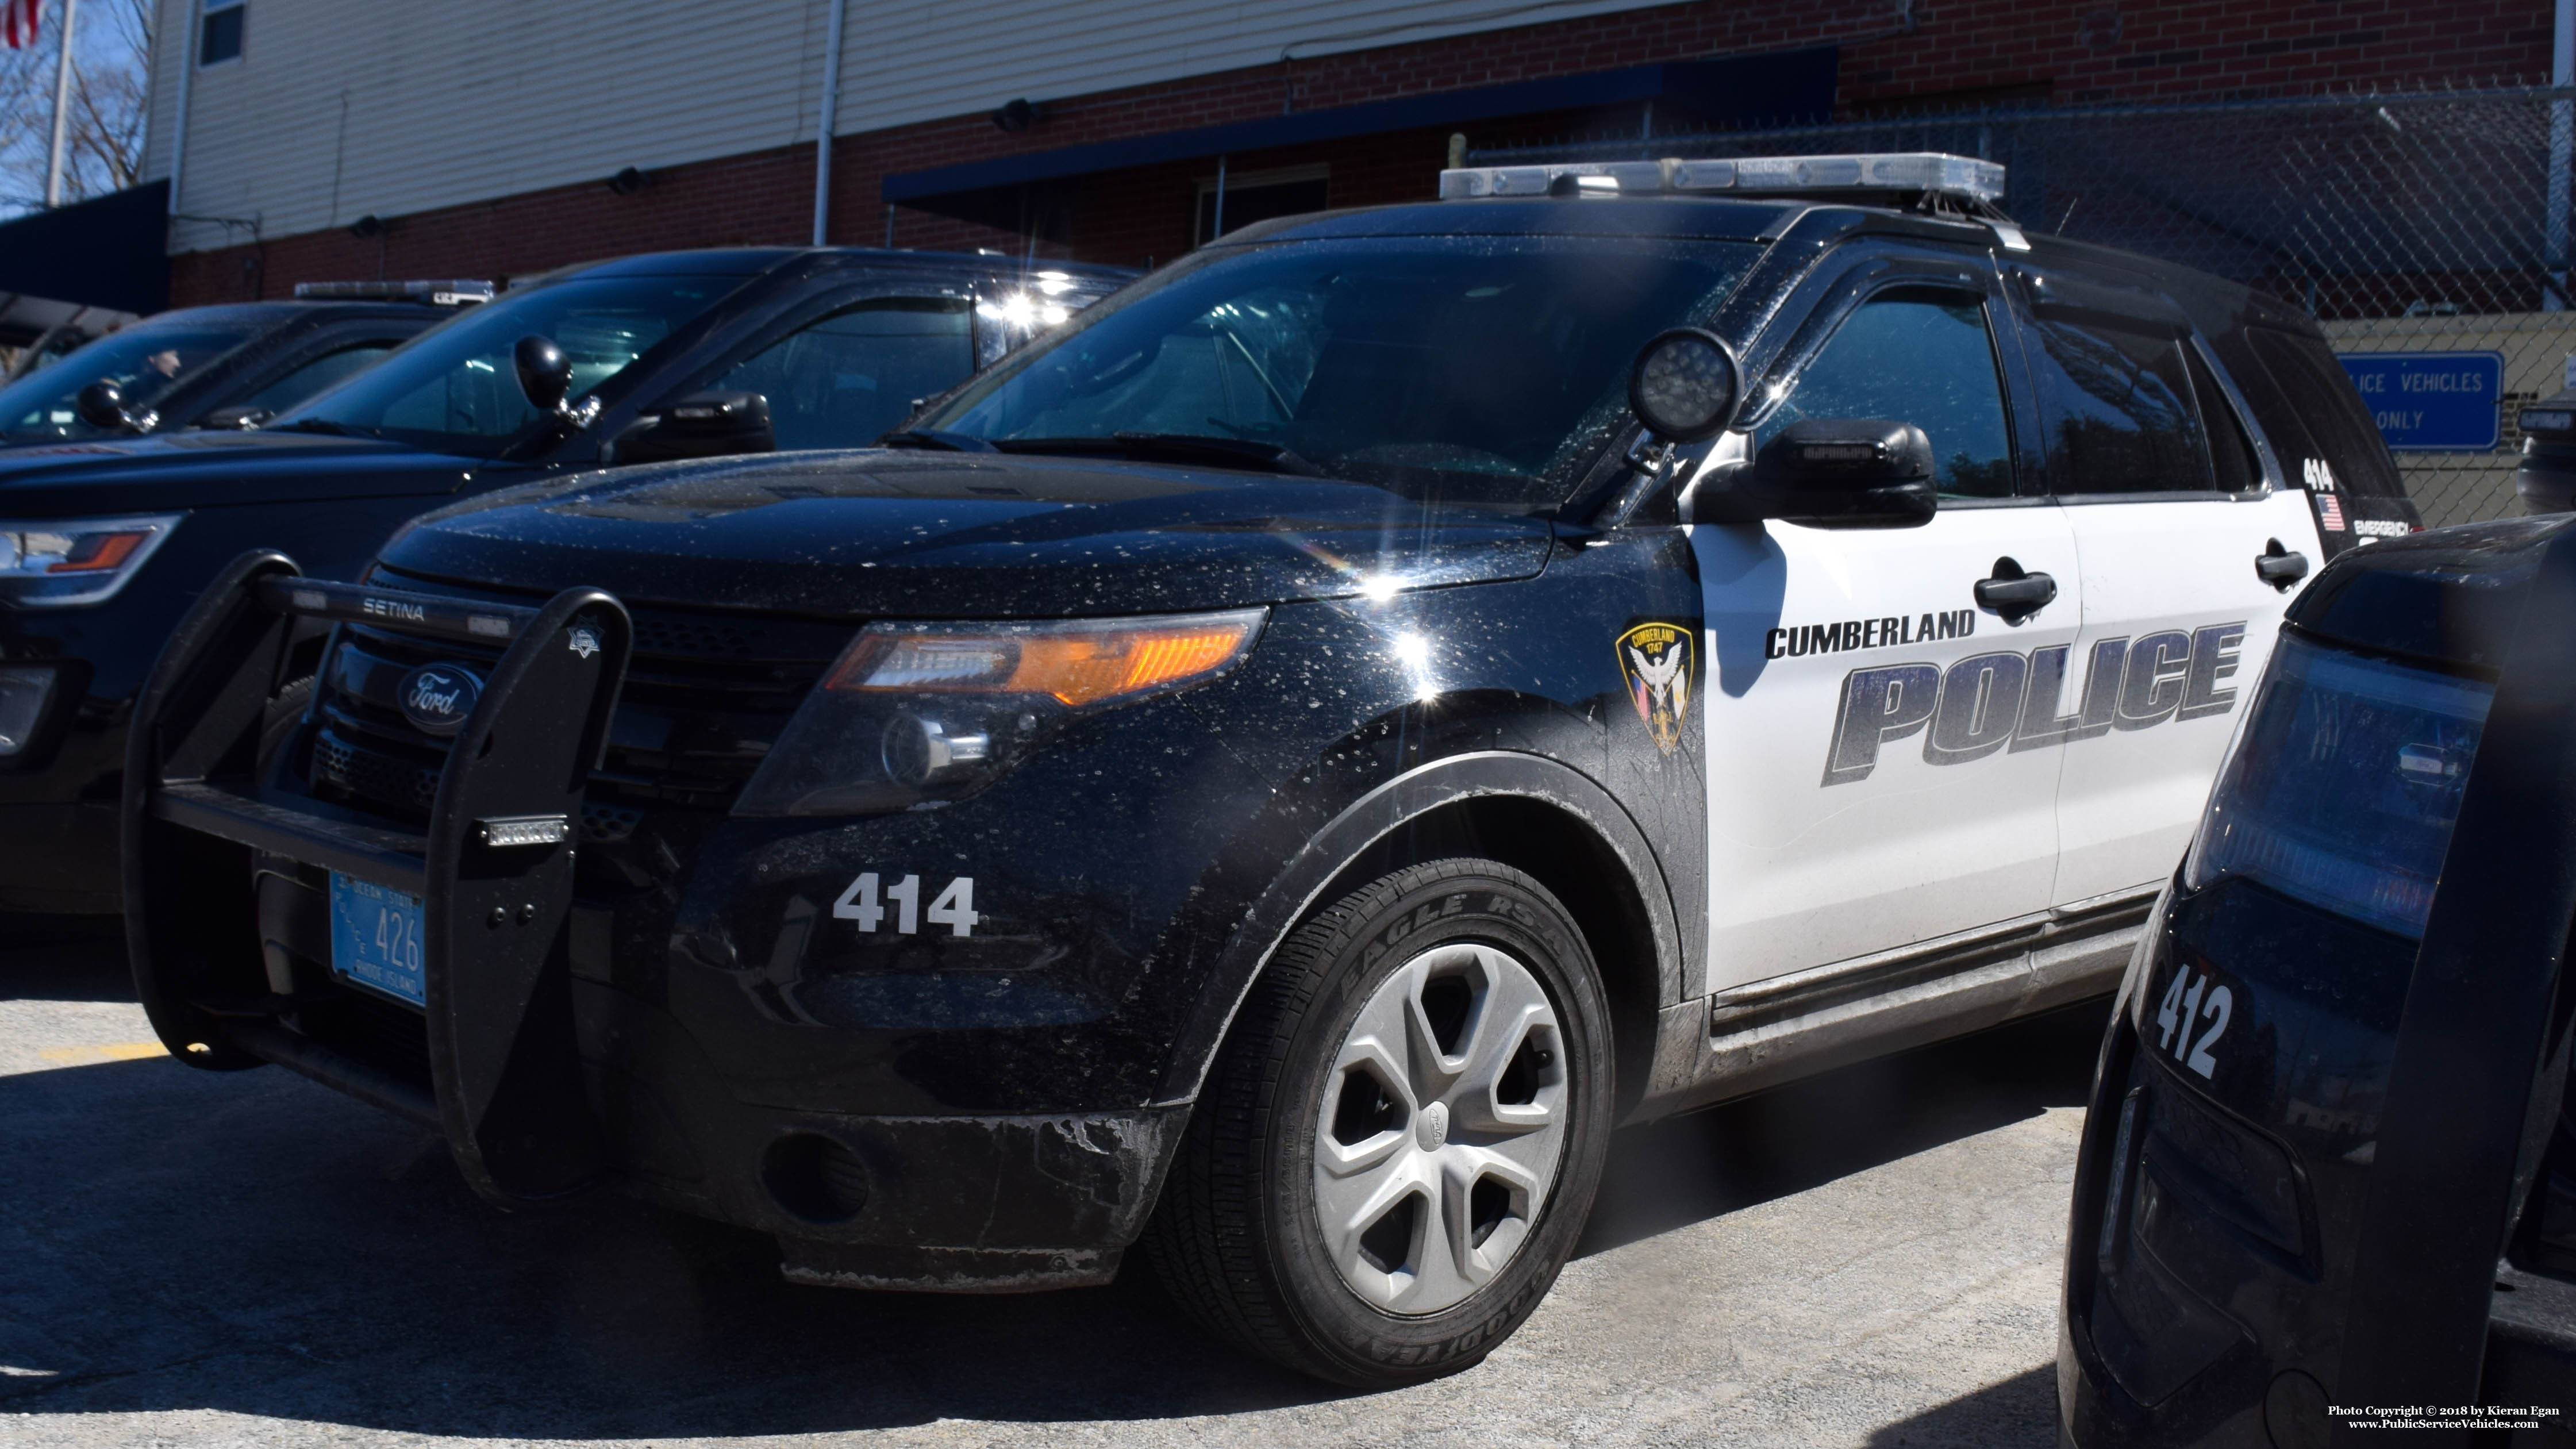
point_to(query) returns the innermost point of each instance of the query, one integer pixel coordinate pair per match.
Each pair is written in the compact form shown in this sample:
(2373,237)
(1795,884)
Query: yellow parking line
(117,1051)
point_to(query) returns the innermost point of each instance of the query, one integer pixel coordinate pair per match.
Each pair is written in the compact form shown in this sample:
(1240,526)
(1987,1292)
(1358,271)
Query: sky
(107,53)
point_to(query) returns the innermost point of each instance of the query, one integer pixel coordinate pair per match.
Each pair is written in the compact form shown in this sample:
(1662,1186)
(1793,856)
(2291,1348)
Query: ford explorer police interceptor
(1278,769)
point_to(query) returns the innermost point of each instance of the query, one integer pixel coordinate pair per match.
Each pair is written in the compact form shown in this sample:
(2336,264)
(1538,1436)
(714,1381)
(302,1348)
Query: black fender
(1295,891)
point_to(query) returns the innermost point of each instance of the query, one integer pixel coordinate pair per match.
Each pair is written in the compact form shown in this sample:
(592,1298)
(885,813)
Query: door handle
(2014,593)
(2279,567)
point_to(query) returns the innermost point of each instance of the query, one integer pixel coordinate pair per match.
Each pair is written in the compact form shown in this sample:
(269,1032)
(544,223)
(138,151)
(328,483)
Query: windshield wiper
(933,438)
(1178,448)
(315,425)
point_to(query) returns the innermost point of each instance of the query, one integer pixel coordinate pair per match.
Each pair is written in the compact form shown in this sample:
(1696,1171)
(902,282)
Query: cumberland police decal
(2008,701)
(1655,660)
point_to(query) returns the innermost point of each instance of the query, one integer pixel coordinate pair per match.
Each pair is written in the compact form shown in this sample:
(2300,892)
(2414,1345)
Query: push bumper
(543,1075)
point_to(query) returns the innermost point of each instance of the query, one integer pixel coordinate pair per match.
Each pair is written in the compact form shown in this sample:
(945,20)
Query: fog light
(25,690)
(918,751)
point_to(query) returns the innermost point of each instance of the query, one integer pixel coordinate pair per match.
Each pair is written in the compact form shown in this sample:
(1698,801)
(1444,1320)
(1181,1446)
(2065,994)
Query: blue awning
(1791,87)
(106,252)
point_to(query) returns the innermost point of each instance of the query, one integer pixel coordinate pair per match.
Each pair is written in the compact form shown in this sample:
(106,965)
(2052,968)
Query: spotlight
(630,181)
(1018,116)
(367,226)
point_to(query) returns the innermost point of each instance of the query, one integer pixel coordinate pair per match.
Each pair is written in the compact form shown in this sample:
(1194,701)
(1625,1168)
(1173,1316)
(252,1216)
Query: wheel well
(1558,850)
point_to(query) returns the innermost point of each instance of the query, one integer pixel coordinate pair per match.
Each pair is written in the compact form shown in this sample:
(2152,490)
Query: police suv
(1280,767)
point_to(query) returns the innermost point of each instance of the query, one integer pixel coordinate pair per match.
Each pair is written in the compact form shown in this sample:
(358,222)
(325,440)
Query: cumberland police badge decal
(1655,660)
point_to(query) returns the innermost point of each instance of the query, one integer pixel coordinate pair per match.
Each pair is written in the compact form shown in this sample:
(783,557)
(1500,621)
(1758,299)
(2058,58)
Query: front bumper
(551,1051)
(943,1202)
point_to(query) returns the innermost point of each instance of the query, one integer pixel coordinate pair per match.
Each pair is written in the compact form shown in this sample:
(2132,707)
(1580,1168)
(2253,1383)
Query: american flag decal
(2330,511)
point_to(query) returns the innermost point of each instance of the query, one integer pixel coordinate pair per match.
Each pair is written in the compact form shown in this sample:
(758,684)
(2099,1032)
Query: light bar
(1934,171)
(456,293)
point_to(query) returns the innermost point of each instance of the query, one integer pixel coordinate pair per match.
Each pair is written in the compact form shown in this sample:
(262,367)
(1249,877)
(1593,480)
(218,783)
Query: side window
(327,371)
(2239,469)
(848,379)
(2118,405)
(2315,413)
(1917,355)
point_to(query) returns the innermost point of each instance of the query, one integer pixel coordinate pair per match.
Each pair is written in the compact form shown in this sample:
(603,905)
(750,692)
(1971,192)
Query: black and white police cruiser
(1283,765)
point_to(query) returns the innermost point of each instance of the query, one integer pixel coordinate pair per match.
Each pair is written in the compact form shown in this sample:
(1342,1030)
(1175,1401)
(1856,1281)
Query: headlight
(55,565)
(916,712)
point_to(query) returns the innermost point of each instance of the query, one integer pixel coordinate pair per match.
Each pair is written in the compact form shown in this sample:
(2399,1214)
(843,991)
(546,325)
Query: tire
(277,724)
(1366,1192)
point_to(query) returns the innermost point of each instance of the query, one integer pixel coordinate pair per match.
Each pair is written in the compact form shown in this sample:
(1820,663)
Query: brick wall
(1956,51)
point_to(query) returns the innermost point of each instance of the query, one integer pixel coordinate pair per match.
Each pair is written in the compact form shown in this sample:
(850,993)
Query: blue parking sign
(2431,401)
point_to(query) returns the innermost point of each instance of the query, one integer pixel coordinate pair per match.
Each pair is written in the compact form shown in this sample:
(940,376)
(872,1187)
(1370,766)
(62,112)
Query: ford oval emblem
(436,698)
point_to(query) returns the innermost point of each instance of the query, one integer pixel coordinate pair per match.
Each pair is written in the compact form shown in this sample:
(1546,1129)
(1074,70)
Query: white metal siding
(341,108)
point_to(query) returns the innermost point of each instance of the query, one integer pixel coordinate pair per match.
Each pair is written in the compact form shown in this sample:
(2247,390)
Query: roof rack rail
(1907,173)
(455,293)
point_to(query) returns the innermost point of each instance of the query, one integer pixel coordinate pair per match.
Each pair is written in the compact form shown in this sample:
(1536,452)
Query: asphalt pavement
(189,1258)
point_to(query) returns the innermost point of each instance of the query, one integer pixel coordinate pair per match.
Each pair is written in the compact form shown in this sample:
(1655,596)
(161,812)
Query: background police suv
(1279,768)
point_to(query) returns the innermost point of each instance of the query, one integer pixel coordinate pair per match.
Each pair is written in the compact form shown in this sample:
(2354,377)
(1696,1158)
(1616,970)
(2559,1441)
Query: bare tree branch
(110,103)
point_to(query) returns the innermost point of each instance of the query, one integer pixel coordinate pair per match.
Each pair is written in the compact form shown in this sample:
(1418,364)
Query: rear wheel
(1397,1147)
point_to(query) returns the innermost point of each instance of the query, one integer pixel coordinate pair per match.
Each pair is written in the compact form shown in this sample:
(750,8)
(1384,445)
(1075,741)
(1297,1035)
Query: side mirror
(1684,385)
(701,425)
(1855,472)
(545,374)
(102,406)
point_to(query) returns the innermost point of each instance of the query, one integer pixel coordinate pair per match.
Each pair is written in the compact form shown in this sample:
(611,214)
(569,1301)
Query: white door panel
(1865,791)
(2171,600)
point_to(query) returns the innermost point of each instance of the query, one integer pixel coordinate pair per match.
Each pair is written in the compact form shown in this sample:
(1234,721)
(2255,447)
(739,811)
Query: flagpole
(62,108)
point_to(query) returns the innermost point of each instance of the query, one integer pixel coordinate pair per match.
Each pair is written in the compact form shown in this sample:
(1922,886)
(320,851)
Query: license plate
(375,938)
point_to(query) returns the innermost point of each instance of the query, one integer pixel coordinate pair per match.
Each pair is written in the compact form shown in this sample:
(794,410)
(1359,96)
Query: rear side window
(327,371)
(2312,413)
(843,381)
(2231,452)
(2119,410)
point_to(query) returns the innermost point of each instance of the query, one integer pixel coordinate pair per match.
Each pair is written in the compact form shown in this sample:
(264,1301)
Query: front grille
(705,697)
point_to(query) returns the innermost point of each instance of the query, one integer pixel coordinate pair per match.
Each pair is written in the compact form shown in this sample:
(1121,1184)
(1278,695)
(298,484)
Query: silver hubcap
(1440,1128)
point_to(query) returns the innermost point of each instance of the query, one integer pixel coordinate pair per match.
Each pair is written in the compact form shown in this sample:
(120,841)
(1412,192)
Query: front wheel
(1401,1138)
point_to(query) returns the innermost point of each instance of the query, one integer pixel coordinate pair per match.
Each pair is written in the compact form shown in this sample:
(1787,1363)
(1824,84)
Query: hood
(981,535)
(188,470)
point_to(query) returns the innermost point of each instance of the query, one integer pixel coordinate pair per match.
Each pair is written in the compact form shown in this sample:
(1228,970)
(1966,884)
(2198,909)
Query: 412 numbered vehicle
(1282,766)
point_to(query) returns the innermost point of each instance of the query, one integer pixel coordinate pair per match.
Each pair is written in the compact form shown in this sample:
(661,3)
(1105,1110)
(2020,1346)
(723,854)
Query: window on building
(219,32)
(1252,196)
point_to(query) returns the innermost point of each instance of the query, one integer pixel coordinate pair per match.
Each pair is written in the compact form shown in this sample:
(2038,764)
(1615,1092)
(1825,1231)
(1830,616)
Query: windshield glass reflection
(455,389)
(1472,369)
(144,361)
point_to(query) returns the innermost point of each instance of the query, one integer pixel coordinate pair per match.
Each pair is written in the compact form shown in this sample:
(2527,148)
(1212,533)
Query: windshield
(1483,369)
(455,389)
(144,361)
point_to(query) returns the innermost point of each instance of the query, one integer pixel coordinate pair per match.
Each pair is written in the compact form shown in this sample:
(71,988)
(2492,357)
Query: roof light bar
(458,293)
(1934,171)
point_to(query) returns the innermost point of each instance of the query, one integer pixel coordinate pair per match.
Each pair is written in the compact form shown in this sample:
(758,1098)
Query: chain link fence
(2409,224)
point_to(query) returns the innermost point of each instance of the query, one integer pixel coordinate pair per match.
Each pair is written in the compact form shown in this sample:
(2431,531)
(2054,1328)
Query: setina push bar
(205,807)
